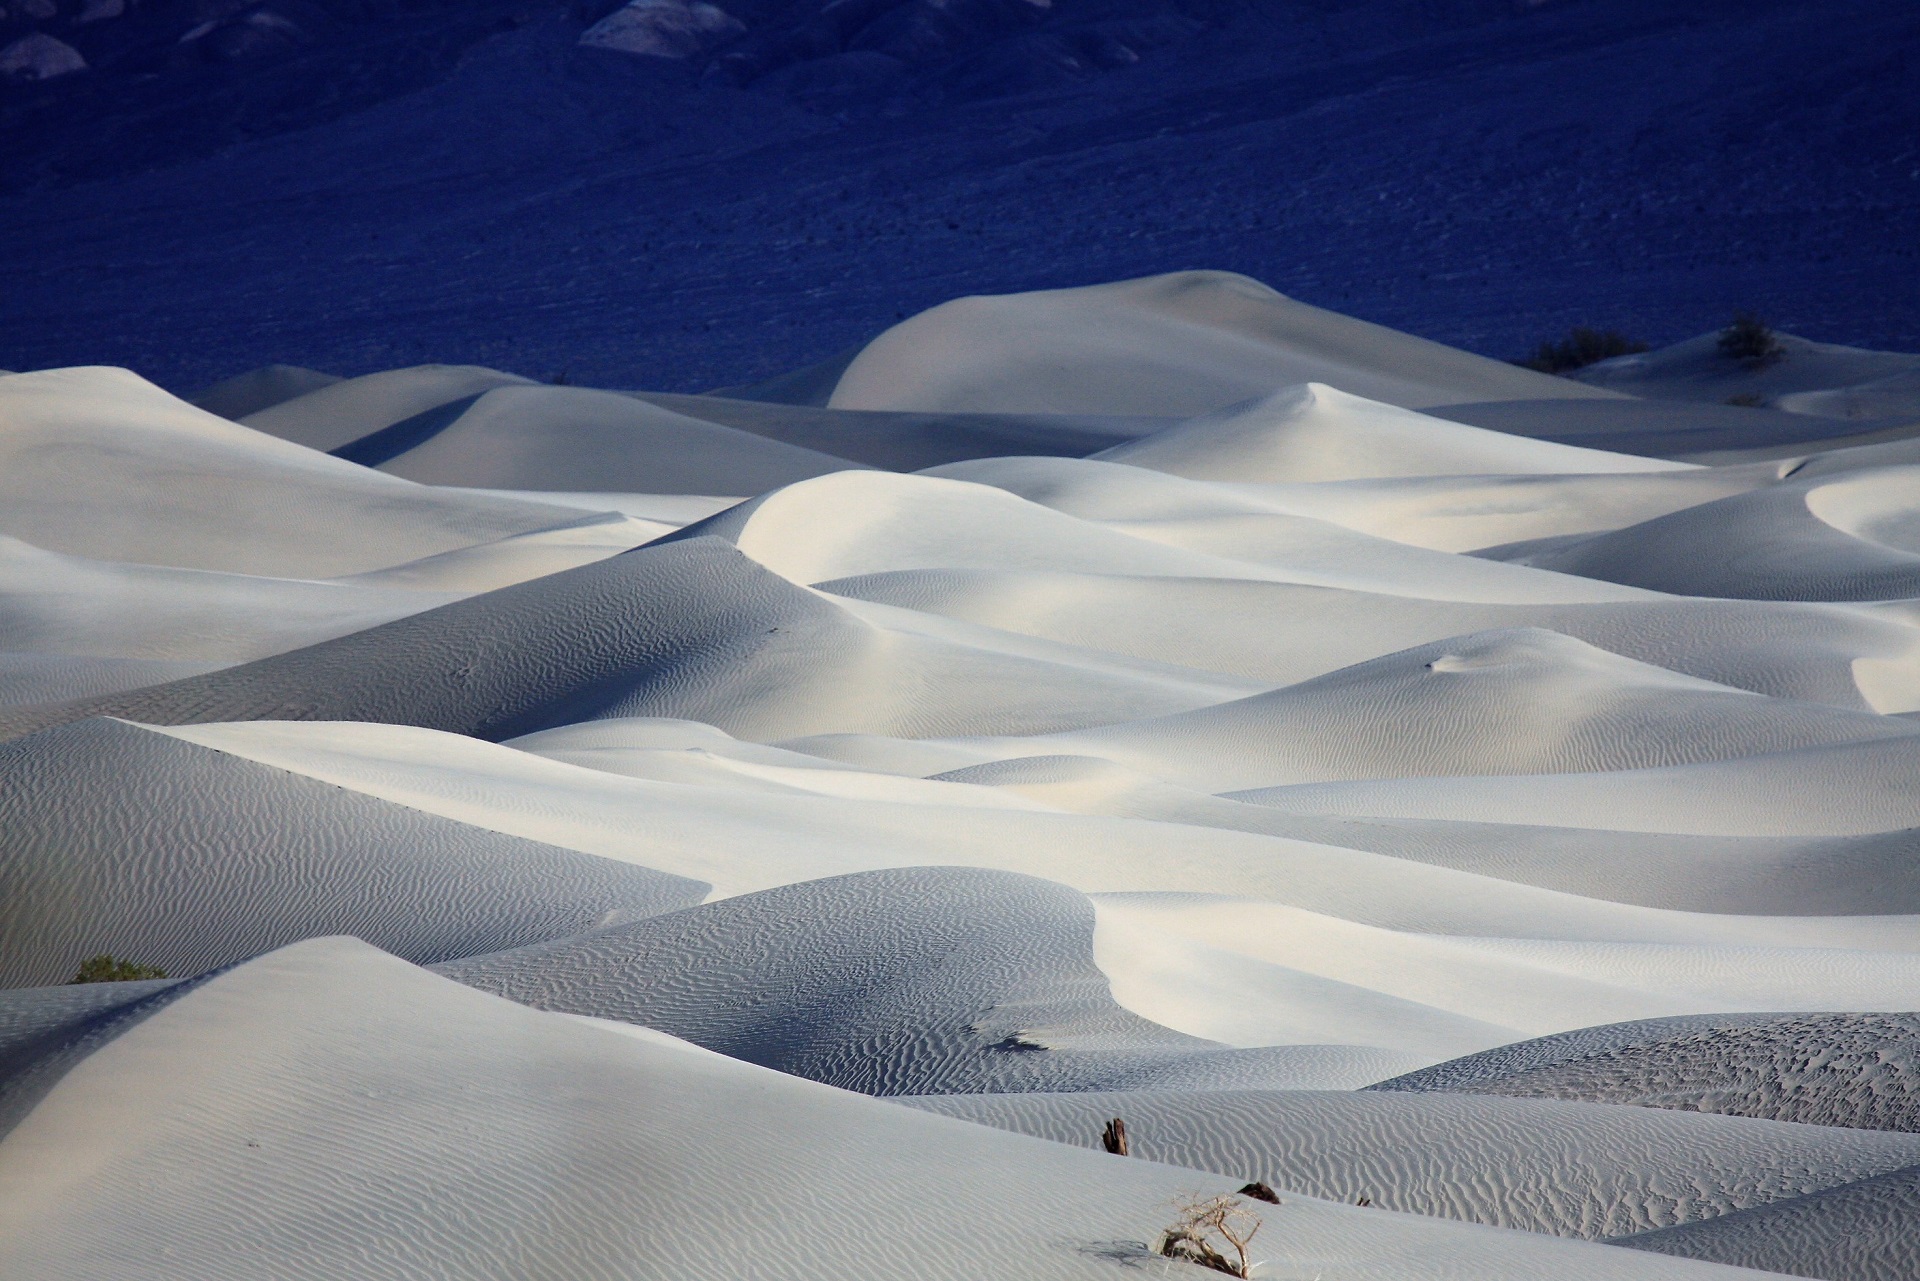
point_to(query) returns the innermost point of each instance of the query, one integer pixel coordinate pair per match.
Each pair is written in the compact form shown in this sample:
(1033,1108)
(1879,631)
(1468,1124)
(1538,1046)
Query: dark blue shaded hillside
(1484,174)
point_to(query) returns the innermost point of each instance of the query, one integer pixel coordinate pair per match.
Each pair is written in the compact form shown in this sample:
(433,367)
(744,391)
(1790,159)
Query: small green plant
(111,969)
(1749,341)
(1213,1232)
(1584,346)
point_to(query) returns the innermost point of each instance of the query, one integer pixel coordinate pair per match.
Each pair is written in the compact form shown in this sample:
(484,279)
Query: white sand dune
(1524,701)
(31,678)
(1492,823)
(328,1111)
(534,437)
(1849,537)
(685,629)
(1698,370)
(1172,528)
(341,412)
(101,463)
(902,981)
(910,441)
(1313,433)
(1181,344)
(257,389)
(1466,513)
(1281,633)
(748,837)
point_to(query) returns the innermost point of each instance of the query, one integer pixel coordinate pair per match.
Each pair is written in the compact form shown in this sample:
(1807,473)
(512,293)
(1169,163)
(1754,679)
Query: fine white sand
(558,807)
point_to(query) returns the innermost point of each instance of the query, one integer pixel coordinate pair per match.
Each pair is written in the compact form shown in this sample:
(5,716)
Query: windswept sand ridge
(1180,344)
(342,411)
(1293,526)
(101,463)
(1282,633)
(910,441)
(45,1031)
(883,523)
(1314,432)
(1570,1169)
(687,628)
(681,436)
(1250,973)
(257,389)
(1525,701)
(574,438)
(344,1086)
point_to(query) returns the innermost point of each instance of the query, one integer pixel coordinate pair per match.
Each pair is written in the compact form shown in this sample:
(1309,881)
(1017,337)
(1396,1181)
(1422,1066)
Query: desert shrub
(1213,1232)
(1749,341)
(111,969)
(1582,347)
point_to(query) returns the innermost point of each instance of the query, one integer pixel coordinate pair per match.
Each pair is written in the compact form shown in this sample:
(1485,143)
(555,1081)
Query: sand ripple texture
(594,833)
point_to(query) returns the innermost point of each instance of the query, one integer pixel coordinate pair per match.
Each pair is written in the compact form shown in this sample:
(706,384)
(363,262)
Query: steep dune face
(1565,798)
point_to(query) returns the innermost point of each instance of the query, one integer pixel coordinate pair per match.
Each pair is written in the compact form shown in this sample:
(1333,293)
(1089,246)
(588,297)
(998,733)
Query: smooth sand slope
(340,412)
(574,438)
(1847,537)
